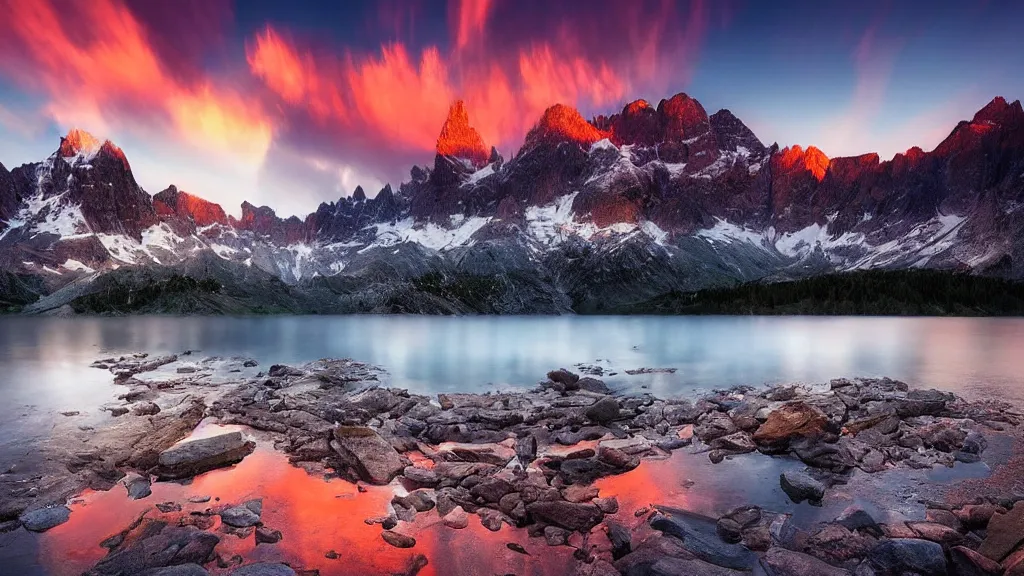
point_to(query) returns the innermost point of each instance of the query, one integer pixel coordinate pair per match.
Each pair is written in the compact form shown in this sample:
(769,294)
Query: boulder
(1005,533)
(593,385)
(398,540)
(152,545)
(699,537)
(908,555)
(790,421)
(371,457)
(967,562)
(42,519)
(921,403)
(243,516)
(604,410)
(457,518)
(138,486)
(193,457)
(568,515)
(799,486)
(565,378)
(265,535)
(782,562)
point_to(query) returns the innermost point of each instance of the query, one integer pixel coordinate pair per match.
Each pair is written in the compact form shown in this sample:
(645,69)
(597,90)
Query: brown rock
(936,533)
(578,493)
(1005,533)
(793,420)
(568,515)
(967,562)
(398,540)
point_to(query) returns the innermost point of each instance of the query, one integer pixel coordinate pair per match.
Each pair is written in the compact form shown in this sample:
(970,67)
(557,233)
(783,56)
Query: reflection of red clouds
(314,516)
(94,60)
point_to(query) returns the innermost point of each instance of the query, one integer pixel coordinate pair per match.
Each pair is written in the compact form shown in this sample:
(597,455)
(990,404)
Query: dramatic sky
(290,103)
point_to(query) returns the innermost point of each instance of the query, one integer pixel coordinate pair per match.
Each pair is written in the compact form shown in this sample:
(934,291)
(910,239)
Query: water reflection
(432,354)
(314,516)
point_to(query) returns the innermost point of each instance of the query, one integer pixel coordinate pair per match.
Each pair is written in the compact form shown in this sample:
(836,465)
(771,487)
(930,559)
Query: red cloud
(509,61)
(97,66)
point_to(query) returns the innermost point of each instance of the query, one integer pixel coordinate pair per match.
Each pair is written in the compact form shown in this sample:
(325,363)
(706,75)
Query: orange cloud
(98,69)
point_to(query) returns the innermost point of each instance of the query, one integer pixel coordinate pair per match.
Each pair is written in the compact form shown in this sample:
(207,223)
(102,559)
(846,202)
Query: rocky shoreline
(528,460)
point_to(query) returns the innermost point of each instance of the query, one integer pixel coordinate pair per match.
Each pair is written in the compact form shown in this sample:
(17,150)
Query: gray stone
(799,486)
(138,486)
(903,555)
(782,562)
(699,536)
(372,458)
(604,410)
(203,454)
(42,519)
(243,516)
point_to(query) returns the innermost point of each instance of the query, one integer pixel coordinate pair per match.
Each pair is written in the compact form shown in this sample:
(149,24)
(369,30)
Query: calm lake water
(44,371)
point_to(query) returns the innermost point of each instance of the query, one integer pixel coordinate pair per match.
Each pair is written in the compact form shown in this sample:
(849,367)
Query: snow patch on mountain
(429,234)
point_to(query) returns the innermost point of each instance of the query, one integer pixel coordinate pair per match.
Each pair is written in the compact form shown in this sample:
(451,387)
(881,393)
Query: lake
(44,361)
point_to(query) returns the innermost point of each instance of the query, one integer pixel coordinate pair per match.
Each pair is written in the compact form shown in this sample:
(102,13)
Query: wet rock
(264,569)
(799,486)
(736,443)
(790,421)
(978,515)
(729,530)
(265,535)
(42,519)
(593,385)
(168,507)
(491,489)
(371,457)
(398,540)
(280,371)
(620,539)
(490,453)
(609,505)
(967,562)
(921,403)
(567,379)
(857,519)
(1005,533)
(714,425)
(568,515)
(199,499)
(782,562)
(936,533)
(906,555)
(526,449)
(577,493)
(194,457)
(699,537)
(244,516)
(118,411)
(492,519)
(153,544)
(418,500)
(421,476)
(555,536)
(604,410)
(457,518)
(617,458)
(138,486)
(836,545)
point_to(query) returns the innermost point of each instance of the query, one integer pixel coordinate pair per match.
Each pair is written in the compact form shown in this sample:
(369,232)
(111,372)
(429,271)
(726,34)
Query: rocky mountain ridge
(586,215)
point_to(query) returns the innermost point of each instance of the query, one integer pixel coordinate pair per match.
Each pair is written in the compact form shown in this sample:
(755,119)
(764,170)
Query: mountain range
(588,215)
